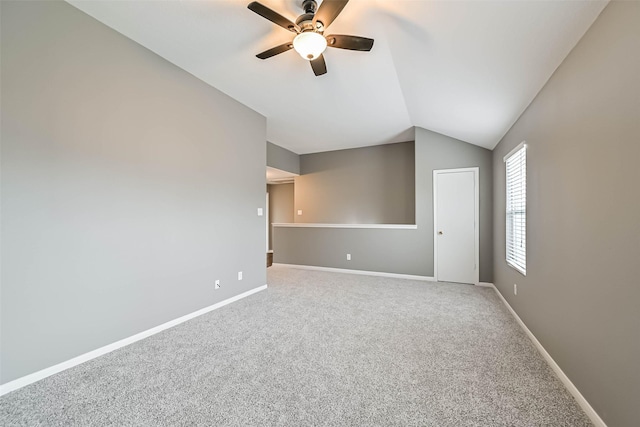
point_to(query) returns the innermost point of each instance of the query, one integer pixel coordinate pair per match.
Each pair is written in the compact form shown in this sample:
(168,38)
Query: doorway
(280,202)
(456,230)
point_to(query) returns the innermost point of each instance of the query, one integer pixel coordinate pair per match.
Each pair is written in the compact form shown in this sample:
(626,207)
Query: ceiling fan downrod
(305,21)
(309,6)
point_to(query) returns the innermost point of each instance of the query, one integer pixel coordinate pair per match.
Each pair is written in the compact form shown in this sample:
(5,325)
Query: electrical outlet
(348,257)
(239,275)
(299,212)
(217,285)
(515,289)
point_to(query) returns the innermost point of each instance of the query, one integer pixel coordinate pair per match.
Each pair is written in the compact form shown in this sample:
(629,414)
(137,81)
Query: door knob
(439,232)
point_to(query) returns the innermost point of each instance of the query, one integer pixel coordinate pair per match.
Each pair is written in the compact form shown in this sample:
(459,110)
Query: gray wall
(581,295)
(398,251)
(128,187)
(283,159)
(370,185)
(280,205)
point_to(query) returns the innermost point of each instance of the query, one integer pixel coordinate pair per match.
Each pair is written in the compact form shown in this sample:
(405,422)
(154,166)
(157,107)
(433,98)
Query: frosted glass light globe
(309,45)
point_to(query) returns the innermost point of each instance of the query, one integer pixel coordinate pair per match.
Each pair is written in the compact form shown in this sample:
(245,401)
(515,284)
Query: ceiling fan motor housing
(305,21)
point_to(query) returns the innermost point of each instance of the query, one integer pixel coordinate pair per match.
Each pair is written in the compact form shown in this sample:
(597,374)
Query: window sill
(518,269)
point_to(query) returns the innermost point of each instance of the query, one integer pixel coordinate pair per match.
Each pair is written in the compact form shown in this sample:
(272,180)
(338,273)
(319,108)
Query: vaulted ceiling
(466,69)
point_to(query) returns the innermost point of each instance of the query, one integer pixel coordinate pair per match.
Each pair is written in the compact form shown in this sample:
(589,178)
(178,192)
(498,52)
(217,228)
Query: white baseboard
(485,284)
(586,407)
(361,272)
(44,373)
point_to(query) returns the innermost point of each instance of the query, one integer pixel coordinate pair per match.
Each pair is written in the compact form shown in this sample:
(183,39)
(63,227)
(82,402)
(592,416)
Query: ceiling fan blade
(319,66)
(328,11)
(350,42)
(273,16)
(275,51)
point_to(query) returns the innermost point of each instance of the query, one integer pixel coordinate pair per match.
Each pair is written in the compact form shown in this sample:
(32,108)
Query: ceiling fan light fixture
(309,45)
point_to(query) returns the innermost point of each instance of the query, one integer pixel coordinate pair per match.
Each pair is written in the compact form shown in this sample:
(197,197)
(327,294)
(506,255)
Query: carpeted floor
(317,348)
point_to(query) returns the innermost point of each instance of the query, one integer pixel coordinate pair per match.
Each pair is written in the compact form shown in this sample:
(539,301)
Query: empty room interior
(299,212)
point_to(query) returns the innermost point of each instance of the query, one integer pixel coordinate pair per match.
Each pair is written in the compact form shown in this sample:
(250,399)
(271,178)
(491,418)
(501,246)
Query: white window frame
(516,258)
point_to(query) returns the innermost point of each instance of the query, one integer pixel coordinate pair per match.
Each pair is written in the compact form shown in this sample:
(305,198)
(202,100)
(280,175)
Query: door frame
(476,228)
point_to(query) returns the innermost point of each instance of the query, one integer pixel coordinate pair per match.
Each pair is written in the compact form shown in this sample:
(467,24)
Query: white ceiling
(466,69)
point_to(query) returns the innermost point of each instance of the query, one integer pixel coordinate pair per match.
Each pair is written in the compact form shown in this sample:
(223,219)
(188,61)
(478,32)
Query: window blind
(516,169)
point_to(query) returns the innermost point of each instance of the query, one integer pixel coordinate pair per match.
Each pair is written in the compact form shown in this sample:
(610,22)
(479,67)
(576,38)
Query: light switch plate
(259,211)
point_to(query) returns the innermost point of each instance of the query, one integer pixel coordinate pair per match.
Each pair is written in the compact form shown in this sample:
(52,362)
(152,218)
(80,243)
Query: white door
(456,232)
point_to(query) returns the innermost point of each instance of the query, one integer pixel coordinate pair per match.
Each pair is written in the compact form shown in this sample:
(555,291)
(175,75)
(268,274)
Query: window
(516,170)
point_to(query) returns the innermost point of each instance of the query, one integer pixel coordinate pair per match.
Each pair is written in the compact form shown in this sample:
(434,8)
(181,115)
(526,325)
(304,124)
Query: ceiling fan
(310,41)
